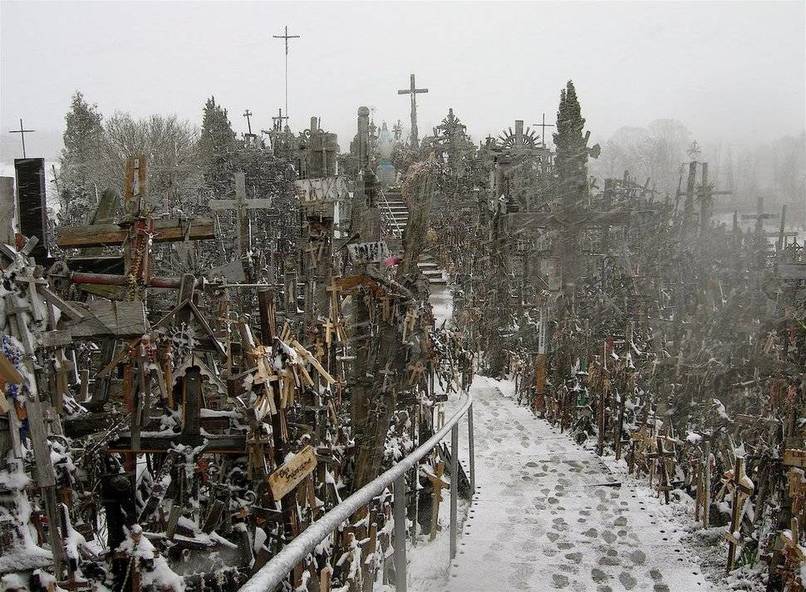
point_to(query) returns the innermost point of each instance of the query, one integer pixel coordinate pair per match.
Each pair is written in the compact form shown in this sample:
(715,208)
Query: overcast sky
(729,70)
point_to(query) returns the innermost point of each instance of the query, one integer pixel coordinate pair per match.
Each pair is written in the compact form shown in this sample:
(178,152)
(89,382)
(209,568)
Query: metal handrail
(279,566)
(389,215)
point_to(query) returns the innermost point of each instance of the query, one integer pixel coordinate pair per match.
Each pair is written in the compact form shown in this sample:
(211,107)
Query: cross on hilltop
(413,91)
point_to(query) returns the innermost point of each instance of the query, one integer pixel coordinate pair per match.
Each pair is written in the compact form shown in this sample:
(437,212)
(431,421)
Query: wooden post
(706,485)
(619,426)
(742,489)
(436,496)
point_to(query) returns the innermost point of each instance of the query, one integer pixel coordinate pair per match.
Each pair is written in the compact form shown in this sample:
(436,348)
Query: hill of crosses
(267,362)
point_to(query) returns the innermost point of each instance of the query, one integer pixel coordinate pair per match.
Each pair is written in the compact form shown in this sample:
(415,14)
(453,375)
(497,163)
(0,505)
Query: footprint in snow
(627,580)
(560,580)
(598,575)
(639,558)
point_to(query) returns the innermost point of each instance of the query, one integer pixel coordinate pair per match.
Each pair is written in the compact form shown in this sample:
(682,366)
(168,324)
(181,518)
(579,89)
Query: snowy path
(548,515)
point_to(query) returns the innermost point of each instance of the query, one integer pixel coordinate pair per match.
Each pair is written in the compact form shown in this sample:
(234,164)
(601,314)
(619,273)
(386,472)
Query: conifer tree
(78,164)
(217,149)
(571,161)
(571,169)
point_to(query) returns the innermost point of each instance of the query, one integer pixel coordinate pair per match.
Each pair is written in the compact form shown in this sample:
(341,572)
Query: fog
(730,71)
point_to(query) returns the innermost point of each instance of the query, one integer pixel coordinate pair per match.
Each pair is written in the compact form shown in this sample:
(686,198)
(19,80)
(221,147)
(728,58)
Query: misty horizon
(707,65)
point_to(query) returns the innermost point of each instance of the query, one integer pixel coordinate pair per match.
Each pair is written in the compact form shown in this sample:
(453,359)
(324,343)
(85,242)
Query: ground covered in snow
(551,515)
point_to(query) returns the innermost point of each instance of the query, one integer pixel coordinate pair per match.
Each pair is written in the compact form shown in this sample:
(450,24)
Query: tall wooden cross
(413,91)
(241,205)
(135,233)
(543,125)
(22,131)
(248,114)
(285,37)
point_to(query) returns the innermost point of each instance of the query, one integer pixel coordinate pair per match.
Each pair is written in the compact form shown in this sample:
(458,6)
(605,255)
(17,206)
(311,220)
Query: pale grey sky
(728,70)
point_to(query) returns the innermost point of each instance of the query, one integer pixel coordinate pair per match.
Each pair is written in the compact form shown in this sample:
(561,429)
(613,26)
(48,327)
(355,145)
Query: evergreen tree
(571,167)
(571,161)
(78,164)
(217,149)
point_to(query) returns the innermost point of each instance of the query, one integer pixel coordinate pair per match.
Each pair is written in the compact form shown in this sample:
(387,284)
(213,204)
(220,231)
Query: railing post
(400,533)
(454,484)
(471,450)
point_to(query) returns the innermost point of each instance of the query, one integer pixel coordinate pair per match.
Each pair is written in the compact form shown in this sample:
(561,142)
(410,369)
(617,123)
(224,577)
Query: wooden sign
(291,474)
(794,457)
(324,189)
(374,252)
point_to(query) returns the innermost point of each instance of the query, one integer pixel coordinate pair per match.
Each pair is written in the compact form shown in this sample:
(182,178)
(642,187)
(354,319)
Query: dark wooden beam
(99,235)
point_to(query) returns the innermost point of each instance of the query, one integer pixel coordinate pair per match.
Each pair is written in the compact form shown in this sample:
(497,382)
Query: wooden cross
(543,125)
(248,114)
(22,131)
(641,442)
(278,121)
(413,91)
(663,474)
(742,489)
(135,232)
(241,205)
(437,483)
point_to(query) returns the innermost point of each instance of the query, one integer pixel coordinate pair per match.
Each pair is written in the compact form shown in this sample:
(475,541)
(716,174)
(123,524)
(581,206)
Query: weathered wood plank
(795,458)
(99,235)
(291,474)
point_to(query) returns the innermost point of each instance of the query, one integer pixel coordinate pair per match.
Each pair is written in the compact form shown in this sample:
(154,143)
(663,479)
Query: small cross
(278,121)
(248,114)
(22,131)
(543,125)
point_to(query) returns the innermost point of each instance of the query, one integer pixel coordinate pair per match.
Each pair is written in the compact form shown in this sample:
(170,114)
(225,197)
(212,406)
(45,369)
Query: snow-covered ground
(551,515)
(442,304)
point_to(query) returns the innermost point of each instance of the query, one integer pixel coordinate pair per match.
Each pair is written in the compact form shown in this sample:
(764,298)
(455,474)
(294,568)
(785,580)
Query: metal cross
(285,37)
(248,114)
(413,91)
(543,125)
(22,131)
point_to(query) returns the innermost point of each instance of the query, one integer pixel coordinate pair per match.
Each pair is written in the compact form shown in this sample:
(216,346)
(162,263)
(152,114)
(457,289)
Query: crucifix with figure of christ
(22,131)
(413,91)
(248,114)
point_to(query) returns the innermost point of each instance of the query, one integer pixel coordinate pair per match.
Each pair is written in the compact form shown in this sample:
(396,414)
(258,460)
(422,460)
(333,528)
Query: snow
(549,514)
(442,305)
